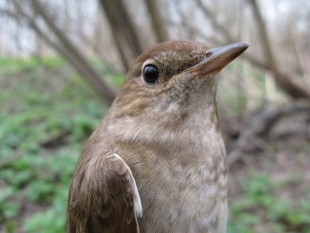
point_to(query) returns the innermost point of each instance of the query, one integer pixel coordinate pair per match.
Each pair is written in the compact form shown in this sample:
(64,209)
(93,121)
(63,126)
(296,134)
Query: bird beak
(217,58)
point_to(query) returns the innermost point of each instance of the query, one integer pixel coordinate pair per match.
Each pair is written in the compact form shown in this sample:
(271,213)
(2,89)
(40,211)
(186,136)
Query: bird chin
(200,83)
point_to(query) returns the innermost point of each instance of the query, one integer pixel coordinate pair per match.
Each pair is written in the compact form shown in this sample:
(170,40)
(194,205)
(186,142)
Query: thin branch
(216,25)
(260,124)
(91,75)
(283,81)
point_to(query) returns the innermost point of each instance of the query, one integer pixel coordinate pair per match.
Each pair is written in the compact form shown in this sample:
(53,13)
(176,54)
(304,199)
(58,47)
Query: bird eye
(150,74)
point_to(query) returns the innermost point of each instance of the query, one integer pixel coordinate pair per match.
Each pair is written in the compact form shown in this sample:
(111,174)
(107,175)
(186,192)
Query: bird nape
(157,161)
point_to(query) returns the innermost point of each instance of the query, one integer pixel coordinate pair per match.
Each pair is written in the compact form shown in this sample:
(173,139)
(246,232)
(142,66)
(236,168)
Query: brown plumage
(157,162)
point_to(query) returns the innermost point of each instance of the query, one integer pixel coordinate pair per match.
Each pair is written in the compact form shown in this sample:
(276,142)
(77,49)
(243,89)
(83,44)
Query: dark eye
(150,74)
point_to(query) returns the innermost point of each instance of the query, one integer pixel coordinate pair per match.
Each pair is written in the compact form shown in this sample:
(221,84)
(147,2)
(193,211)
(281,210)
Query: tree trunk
(159,26)
(123,30)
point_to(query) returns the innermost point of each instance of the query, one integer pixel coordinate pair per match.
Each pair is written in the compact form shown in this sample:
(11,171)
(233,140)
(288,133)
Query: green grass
(260,203)
(37,107)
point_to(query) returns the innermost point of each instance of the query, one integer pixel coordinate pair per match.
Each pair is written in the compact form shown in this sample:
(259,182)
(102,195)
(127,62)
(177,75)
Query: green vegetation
(48,112)
(45,120)
(260,203)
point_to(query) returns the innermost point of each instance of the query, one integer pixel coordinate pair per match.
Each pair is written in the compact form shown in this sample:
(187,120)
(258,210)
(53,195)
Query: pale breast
(182,188)
(181,175)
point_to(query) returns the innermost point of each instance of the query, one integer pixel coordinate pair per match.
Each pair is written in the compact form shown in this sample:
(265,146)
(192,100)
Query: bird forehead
(170,57)
(176,49)
(177,56)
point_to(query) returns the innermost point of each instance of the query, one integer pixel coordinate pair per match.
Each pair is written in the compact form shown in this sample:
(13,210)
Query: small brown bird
(157,161)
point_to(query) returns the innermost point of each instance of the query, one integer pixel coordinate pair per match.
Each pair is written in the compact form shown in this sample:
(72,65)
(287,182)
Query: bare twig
(269,63)
(283,81)
(91,75)
(66,48)
(260,124)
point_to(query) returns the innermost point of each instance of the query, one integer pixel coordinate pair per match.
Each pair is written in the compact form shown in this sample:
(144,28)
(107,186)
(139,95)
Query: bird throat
(174,128)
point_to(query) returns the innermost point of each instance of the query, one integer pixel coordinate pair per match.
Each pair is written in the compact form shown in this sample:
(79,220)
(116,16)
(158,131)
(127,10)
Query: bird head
(173,80)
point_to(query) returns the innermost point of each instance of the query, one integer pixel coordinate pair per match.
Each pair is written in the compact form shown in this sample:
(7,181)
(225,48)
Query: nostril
(208,54)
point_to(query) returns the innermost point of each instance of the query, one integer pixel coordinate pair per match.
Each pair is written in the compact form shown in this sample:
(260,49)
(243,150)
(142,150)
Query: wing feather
(103,197)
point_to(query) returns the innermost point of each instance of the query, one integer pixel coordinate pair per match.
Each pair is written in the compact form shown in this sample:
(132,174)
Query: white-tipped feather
(134,190)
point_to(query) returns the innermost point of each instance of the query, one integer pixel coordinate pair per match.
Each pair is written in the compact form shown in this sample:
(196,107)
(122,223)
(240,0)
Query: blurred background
(62,62)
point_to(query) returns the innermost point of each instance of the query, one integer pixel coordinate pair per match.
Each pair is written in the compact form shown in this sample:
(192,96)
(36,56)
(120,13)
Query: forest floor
(48,112)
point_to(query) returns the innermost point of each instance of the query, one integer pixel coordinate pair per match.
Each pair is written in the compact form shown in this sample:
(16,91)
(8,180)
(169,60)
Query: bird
(156,163)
